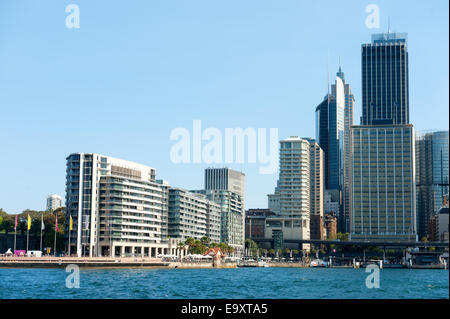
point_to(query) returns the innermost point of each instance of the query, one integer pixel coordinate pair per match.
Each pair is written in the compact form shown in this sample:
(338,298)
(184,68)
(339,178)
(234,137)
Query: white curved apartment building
(117,207)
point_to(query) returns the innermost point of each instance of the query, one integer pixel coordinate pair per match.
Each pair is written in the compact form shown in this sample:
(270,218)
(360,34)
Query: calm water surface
(298,283)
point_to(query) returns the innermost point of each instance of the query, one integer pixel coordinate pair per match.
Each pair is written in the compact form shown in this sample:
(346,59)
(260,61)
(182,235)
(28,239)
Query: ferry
(427,260)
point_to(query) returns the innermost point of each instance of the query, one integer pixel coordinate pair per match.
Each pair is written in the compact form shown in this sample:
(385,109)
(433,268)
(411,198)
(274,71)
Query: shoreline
(144,263)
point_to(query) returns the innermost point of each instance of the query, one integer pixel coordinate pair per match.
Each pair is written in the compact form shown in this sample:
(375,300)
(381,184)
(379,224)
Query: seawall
(103,262)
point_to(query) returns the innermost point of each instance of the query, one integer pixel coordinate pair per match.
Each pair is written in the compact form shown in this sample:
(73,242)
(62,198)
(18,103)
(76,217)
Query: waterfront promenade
(105,262)
(123,262)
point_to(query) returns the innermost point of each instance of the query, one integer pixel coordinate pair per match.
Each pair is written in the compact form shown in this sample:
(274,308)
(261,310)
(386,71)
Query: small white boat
(318,263)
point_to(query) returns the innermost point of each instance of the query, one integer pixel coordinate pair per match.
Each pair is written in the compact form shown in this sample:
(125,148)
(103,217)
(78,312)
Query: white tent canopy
(167,256)
(198,256)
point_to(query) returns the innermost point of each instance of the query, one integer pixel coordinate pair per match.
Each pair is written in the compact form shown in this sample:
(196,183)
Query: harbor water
(285,283)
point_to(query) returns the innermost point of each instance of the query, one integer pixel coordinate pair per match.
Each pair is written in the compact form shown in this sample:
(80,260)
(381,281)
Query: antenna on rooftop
(328,73)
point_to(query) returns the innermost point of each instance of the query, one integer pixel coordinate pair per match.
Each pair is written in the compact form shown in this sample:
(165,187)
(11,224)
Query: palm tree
(181,246)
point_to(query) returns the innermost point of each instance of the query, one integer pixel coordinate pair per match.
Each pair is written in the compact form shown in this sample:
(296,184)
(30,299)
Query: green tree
(205,240)
(7,224)
(262,252)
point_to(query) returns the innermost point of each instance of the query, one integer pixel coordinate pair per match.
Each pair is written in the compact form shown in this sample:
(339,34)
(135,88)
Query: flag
(71,223)
(15,224)
(29,222)
(56,224)
(42,222)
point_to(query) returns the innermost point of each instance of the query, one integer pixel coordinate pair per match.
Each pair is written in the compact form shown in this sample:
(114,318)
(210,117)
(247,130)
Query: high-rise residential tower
(292,221)
(53,202)
(385,85)
(317,191)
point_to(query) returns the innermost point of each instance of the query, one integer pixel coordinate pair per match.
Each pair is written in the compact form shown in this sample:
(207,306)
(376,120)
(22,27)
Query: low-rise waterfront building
(255,223)
(316,227)
(187,214)
(330,222)
(117,208)
(192,215)
(232,217)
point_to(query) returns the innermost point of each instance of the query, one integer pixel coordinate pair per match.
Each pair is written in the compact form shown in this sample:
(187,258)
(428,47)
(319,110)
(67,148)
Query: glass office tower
(383,192)
(432,168)
(385,86)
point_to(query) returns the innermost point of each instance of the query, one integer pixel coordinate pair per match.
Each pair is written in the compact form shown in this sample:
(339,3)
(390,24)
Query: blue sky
(135,70)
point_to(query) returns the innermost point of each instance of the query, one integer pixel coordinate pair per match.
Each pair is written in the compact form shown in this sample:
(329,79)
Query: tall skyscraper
(383,192)
(330,135)
(432,169)
(334,117)
(383,183)
(385,85)
(344,223)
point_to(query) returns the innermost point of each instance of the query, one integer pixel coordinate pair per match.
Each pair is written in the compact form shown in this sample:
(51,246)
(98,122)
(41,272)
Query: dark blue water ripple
(247,283)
